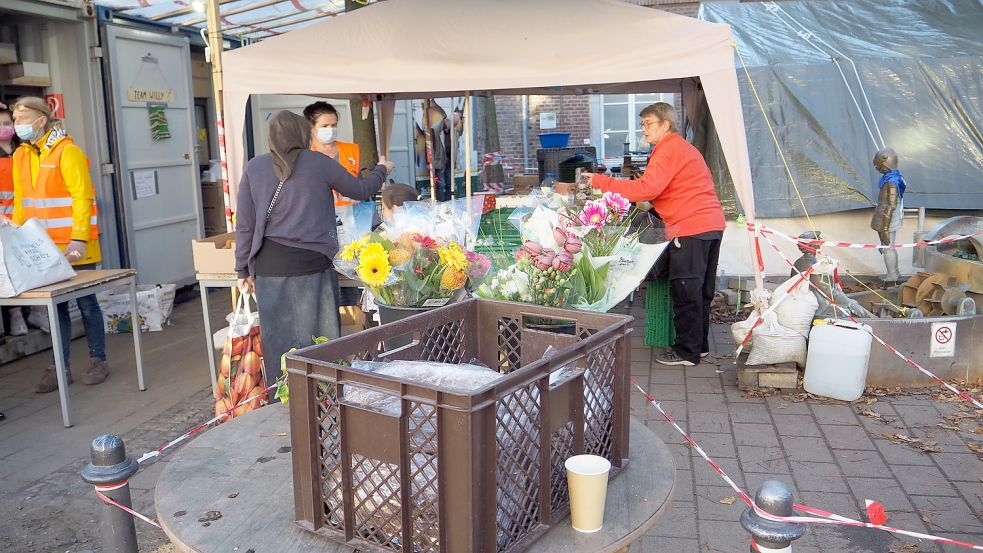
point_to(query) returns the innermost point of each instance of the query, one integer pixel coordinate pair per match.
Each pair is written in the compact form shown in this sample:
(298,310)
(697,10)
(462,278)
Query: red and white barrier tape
(156,453)
(821,516)
(102,496)
(846,313)
(820,243)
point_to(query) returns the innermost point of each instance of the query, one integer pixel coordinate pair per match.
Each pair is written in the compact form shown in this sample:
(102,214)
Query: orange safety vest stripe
(7,186)
(47,197)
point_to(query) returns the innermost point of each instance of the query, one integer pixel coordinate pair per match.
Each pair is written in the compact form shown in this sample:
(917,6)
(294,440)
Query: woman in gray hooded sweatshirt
(286,236)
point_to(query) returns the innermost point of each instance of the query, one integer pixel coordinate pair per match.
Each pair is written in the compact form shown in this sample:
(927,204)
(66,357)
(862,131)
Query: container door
(157,174)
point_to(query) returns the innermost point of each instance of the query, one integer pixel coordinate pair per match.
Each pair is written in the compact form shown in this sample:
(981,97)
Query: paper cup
(587,478)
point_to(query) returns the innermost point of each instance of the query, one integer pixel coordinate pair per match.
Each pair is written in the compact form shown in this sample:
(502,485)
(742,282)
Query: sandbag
(773,344)
(799,309)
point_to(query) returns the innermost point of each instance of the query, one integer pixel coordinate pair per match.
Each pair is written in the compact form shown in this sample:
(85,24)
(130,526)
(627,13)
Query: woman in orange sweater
(679,185)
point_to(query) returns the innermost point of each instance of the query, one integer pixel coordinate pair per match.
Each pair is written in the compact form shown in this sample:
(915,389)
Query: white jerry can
(836,365)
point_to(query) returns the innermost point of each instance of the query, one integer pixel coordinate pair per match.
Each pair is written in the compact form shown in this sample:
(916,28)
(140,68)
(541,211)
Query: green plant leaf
(282,391)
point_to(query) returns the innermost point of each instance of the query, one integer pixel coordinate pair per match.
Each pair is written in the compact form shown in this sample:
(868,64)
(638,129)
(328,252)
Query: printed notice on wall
(144,183)
(943,340)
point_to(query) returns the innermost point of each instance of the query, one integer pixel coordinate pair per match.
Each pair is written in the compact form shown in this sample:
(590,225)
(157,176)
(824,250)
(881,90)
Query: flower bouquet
(602,223)
(414,270)
(540,274)
(572,256)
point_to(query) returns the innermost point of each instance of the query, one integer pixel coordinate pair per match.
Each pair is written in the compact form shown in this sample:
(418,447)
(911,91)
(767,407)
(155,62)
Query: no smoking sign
(943,340)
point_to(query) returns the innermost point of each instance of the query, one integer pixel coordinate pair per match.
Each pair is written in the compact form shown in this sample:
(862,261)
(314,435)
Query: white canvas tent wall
(435,48)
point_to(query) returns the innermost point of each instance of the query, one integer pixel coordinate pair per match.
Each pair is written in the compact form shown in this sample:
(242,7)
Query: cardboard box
(352,320)
(522,184)
(215,255)
(8,53)
(26,74)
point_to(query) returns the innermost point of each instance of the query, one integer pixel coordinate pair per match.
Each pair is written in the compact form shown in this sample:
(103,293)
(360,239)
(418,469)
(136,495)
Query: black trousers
(691,264)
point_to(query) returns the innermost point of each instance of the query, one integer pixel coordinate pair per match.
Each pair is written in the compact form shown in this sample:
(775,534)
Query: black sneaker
(670,358)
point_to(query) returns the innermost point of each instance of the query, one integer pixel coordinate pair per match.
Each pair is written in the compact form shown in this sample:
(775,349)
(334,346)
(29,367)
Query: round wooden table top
(231,490)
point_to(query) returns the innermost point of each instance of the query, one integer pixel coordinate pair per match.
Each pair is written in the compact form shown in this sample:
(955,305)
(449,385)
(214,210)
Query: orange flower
(399,256)
(453,279)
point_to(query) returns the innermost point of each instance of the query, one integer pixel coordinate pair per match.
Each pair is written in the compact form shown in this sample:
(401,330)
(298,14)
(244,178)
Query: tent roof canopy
(434,48)
(501,46)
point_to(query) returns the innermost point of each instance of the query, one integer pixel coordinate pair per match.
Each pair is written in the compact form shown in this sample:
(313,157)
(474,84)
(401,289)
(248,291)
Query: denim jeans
(293,309)
(95,329)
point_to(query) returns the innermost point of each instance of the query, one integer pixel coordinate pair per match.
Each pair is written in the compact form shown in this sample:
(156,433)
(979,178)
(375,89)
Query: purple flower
(616,203)
(545,260)
(573,244)
(480,264)
(534,248)
(560,235)
(563,261)
(594,215)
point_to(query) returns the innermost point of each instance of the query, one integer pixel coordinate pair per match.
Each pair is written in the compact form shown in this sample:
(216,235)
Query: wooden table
(82,284)
(227,280)
(242,470)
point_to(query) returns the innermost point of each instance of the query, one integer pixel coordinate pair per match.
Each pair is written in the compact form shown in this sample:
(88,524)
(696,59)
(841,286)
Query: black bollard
(110,467)
(775,498)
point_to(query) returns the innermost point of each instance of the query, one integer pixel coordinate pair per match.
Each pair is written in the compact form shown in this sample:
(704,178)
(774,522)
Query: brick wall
(572,112)
(572,116)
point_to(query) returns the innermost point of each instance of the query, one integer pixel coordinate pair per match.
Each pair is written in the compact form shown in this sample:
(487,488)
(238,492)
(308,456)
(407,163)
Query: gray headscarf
(290,134)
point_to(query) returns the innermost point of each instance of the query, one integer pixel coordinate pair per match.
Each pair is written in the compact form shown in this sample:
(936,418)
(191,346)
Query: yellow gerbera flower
(452,255)
(374,269)
(373,248)
(453,278)
(354,249)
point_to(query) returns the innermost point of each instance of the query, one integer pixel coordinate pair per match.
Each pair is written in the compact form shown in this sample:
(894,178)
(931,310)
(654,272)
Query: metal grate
(561,449)
(517,436)
(330,452)
(423,478)
(444,343)
(378,517)
(599,400)
(509,345)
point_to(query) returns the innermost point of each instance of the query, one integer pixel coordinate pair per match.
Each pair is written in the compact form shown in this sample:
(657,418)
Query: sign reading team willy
(156,95)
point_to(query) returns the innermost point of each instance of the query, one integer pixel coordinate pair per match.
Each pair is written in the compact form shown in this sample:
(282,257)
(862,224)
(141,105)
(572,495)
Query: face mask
(26,132)
(327,135)
(6,133)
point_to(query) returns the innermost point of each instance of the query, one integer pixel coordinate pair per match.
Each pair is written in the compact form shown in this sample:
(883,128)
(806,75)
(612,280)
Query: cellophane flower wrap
(566,259)
(416,262)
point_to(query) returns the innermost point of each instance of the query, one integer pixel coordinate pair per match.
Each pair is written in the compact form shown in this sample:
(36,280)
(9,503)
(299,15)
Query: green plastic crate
(660,332)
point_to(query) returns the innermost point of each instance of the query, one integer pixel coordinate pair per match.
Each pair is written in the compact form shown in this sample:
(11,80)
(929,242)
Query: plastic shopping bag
(29,259)
(241,369)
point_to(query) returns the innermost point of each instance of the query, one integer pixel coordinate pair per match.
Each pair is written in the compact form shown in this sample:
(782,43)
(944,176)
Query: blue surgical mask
(327,135)
(26,133)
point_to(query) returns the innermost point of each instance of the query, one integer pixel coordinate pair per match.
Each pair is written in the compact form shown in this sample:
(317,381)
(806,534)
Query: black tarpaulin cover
(921,66)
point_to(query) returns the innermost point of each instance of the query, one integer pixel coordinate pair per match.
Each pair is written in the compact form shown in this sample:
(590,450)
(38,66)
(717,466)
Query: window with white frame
(619,122)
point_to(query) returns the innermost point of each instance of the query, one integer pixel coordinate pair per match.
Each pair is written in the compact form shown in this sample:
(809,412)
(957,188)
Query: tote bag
(29,259)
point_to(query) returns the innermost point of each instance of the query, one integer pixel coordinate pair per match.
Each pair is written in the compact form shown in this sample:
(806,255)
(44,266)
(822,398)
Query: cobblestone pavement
(832,455)
(59,513)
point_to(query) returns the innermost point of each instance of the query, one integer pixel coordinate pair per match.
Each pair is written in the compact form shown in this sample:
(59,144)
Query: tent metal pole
(215,54)
(467,145)
(429,152)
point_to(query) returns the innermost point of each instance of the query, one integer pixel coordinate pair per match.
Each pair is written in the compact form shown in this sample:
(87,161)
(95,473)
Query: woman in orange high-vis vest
(52,183)
(13,316)
(324,117)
